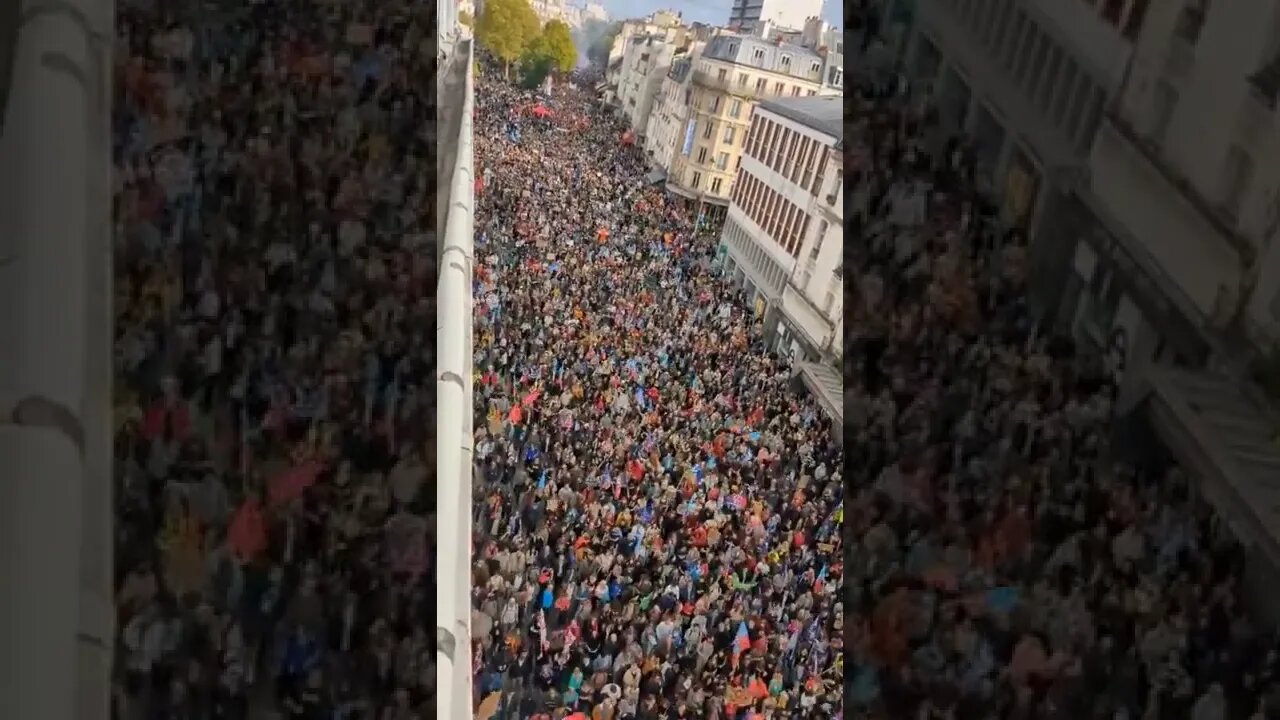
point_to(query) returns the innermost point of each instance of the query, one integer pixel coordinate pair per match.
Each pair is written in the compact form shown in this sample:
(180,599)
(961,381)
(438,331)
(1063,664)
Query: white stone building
(644,67)
(785,13)
(783,236)
(1027,81)
(670,113)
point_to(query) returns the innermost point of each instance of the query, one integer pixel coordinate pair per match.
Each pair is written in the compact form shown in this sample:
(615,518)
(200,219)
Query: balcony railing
(1243,247)
(729,85)
(454,401)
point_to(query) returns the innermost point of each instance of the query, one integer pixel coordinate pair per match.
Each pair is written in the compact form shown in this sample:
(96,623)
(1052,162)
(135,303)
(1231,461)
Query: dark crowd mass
(1003,563)
(658,512)
(273,274)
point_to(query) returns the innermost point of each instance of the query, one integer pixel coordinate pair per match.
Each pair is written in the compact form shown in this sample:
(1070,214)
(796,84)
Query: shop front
(1022,186)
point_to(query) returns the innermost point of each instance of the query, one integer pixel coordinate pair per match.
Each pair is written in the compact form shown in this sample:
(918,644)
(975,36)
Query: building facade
(783,235)
(662,22)
(548,10)
(786,13)
(670,113)
(644,68)
(1179,269)
(733,73)
(1027,82)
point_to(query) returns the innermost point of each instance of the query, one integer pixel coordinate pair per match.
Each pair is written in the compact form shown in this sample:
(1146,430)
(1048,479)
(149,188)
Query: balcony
(1179,228)
(728,85)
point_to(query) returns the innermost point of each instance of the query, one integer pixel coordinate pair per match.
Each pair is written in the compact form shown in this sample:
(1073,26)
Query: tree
(507,28)
(534,69)
(557,43)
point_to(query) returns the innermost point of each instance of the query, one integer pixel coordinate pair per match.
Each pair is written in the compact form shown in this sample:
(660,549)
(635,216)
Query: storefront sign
(1022,185)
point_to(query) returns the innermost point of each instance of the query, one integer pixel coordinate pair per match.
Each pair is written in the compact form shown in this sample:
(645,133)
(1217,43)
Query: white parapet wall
(454,412)
(55,364)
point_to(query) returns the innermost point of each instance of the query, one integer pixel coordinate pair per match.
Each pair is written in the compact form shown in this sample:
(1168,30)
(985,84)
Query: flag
(741,642)
(571,634)
(290,484)
(247,534)
(542,630)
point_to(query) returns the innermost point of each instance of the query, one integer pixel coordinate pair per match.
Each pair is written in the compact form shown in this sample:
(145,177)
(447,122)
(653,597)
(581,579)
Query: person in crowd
(273,265)
(657,511)
(1003,562)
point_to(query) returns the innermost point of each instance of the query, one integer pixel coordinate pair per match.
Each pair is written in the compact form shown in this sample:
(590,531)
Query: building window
(715,186)
(758,54)
(721,74)
(735,108)
(715,104)
(707,130)
(815,68)
(722,161)
(1237,175)
(761,85)
(785,62)
(702,156)
(730,133)
(1164,101)
(742,79)
(644,57)
(829,301)
(697,180)
(779,88)
(795,91)
(810,93)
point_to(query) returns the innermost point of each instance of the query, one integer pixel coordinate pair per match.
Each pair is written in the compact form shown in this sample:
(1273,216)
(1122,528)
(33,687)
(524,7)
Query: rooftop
(824,113)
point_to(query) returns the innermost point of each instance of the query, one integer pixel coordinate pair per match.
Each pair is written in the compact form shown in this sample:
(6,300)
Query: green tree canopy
(557,43)
(507,28)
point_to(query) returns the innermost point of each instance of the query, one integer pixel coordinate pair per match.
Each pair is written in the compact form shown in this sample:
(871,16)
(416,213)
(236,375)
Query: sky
(715,12)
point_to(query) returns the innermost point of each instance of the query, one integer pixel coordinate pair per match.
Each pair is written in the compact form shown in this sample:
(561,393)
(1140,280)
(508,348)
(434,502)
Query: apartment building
(783,235)
(644,68)
(661,23)
(785,13)
(652,24)
(548,10)
(1174,274)
(670,113)
(1027,81)
(733,73)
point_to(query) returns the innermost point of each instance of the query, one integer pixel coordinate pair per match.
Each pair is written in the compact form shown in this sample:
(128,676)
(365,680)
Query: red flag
(290,484)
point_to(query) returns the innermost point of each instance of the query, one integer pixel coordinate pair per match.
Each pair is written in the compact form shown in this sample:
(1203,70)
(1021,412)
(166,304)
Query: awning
(827,385)
(1228,441)
(655,177)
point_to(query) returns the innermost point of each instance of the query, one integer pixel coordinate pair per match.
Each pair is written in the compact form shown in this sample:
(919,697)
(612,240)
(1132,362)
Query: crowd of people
(1003,563)
(658,513)
(273,274)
